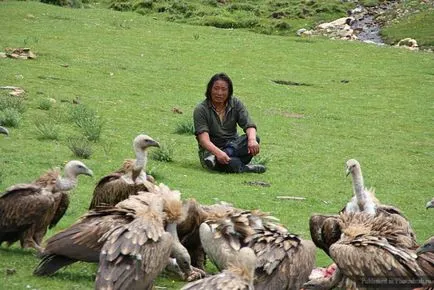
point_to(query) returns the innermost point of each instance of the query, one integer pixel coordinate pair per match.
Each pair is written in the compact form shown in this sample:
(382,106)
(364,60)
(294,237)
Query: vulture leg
(27,241)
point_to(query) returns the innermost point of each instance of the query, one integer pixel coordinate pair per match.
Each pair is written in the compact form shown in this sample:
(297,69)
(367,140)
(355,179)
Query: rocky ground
(364,24)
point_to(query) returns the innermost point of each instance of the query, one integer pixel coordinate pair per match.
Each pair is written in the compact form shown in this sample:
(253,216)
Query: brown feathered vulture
(326,229)
(284,260)
(129,179)
(3,130)
(84,240)
(27,210)
(134,254)
(239,274)
(425,255)
(376,251)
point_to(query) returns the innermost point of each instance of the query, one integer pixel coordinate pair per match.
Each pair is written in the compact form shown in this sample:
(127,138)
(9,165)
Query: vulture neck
(66,183)
(179,252)
(141,159)
(171,229)
(363,198)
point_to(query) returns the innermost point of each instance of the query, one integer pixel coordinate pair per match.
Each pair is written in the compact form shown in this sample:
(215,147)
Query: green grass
(371,103)
(417,26)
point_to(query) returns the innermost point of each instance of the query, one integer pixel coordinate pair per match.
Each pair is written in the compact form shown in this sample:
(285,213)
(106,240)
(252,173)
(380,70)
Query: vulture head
(71,171)
(430,204)
(3,130)
(140,144)
(143,142)
(74,168)
(352,166)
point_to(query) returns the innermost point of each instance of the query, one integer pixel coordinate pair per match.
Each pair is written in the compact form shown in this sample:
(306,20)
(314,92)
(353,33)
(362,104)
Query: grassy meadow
(131,74)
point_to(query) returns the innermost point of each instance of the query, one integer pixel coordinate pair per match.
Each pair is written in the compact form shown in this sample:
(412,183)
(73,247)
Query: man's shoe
(210,161)
(255,168)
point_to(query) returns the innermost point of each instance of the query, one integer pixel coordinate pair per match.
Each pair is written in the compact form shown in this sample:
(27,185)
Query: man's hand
(222,157)
(252,147)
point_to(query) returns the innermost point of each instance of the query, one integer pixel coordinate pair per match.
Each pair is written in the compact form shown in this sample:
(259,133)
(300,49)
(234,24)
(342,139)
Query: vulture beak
(430,204)
(152,143)
(3,130)
(88,172)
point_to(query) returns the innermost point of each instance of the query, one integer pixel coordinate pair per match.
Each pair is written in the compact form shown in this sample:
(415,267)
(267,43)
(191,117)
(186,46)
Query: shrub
(80,147)
(185,127)
(47,130)
(45,104)
(121,5)
(88,121)
(164,153)
(16,103)
(10,117)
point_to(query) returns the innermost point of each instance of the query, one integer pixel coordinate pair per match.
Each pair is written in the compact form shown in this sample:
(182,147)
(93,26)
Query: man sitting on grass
(215,124)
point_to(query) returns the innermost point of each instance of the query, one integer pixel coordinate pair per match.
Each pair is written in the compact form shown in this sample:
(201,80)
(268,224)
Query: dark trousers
(237,150)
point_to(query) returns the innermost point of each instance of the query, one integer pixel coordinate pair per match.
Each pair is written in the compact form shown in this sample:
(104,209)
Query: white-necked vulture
(239,274)
(27,210)
(326,229)
(129,179)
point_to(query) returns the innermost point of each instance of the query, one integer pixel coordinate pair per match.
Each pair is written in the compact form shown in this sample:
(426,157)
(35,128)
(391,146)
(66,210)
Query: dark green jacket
(206,119)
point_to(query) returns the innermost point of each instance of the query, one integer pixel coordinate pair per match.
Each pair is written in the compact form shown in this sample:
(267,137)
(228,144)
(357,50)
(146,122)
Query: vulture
(284,260)
(3,130)
(239,274)
(425,254)
(93,238)
(129,179)
(376,251)
(128,257)
(326,229)
(430,204)
(27,210)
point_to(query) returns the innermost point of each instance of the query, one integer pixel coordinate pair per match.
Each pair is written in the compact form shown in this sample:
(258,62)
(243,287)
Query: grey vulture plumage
(239,274)
(129,179)
(84,240)
(284,260)
(3,130)
(27,210)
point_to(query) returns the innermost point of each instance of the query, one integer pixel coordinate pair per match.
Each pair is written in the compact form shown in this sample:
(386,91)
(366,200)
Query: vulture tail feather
(51,263)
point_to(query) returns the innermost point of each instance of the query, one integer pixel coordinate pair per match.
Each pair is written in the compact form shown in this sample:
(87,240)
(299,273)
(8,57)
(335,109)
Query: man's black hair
(218,77)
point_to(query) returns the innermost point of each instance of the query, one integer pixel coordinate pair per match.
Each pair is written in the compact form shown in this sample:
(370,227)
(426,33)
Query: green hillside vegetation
(277,17)
(101,77)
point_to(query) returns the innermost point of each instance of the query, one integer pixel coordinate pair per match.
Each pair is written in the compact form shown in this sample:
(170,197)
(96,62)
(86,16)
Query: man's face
(219,92)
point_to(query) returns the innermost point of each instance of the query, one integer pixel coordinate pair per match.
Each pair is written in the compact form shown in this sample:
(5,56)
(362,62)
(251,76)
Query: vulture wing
(128,258)
(61,205)
(284,261)
(114,188)
(21,207)
(81,241)
(374,259)
(425,258)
